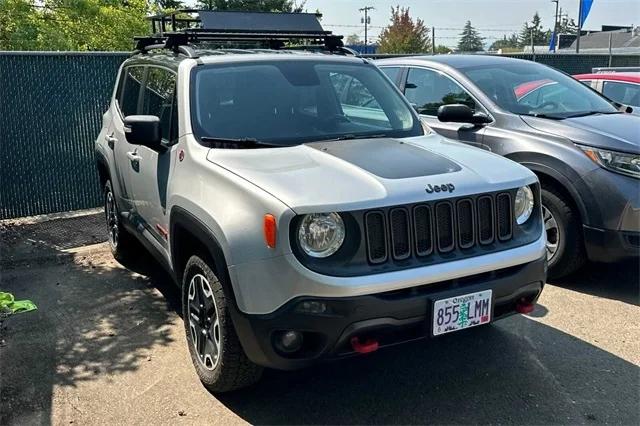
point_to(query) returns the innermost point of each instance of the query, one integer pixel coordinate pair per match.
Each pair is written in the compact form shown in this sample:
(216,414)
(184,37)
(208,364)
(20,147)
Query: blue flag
(552,43)
(585,8)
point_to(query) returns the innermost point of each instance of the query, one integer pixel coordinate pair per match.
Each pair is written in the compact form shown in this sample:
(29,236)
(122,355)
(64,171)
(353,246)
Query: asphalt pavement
(107,345)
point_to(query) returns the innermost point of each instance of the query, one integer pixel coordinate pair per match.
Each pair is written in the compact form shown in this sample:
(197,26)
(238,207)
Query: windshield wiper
(240,142)
(586,113)
(351,136)
(543,115)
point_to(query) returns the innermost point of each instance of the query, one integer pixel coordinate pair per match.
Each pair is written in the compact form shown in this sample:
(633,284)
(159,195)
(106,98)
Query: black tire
(230,369)
(570,253)
(124,245)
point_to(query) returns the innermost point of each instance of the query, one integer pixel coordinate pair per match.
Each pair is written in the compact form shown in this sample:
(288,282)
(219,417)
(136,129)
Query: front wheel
(565,245)
(121,242)
(215,349)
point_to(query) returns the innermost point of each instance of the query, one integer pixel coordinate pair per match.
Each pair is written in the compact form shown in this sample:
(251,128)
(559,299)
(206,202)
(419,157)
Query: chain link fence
(51,107)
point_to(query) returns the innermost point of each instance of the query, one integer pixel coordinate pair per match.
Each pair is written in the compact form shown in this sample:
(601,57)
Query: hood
(368,173)
(618,132)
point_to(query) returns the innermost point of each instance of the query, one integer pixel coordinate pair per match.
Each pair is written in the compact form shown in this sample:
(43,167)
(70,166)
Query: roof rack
(275,30)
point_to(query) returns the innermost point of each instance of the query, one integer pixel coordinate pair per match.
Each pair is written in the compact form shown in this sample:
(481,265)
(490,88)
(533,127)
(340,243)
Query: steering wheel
(369,102)
(548,104)
(334,119)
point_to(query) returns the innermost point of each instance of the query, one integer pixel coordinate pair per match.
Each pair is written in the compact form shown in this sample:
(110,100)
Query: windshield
(532,89)
(285,102)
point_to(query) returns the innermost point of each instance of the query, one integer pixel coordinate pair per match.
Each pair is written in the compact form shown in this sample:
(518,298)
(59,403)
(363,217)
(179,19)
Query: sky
(493,18)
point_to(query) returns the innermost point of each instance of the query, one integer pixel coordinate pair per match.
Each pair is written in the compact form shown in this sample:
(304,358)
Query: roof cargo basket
(185,27)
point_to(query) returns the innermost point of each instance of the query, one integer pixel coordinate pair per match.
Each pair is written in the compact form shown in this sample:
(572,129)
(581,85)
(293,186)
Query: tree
(353,39)
(540,37)
(440,49)
(510,42)
(72,24)
(252,5)
(567,26)
(470,39)
(403,34)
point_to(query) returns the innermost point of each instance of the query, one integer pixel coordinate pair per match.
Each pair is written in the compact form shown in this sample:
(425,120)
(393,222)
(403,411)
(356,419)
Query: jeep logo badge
(445,187)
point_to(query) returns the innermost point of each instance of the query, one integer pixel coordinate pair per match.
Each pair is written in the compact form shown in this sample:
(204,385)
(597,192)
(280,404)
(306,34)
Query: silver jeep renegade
(304,209)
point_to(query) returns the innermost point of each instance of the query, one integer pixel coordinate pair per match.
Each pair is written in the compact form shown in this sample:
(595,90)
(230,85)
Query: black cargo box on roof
(260,21)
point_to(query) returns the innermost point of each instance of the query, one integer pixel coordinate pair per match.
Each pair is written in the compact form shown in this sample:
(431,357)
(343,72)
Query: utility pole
(555,26)
(533,47)
(366,21)
(579,26)
(433,40)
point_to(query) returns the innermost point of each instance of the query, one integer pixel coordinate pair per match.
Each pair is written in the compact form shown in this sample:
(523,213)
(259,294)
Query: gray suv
(585,151)
(304,210)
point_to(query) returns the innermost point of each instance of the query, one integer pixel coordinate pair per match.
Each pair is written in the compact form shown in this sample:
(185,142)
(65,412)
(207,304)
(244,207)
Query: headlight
(321,234)
(620,162)
(523,207)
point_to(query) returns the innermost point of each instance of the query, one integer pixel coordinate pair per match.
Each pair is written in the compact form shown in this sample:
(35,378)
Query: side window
(586,82)
(429,90)
(392,73)
(159,100)
(129,90)
(625,93)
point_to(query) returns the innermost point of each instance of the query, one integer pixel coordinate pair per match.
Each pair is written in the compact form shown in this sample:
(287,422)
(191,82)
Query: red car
(621,87)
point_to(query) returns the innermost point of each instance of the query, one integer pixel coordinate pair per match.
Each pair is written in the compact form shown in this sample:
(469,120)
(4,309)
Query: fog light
(312,307)
(289,341)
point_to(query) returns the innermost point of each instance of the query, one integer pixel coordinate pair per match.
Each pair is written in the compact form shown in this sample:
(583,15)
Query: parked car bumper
(388,318)
(604,245)
(617,237)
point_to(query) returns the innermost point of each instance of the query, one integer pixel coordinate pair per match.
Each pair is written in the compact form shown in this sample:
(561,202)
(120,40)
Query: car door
(128,101)
(151,176)
(428,89)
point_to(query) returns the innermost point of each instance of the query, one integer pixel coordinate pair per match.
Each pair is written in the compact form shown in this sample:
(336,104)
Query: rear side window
(625,93)
(129,91)
(159,99)
(392,72)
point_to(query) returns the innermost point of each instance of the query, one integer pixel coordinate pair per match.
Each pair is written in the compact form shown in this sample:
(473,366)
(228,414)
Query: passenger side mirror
(459,113)
(143,130)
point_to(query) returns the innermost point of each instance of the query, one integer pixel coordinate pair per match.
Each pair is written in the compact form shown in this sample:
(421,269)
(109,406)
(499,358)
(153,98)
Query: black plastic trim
(408,232)
(485,241)
(509,234)
(450,247)
(384,231)
(472,209)
(429,213)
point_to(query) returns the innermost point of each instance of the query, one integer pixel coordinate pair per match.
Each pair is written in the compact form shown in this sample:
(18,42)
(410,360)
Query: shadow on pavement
(516,372)
(93,318)
(620,281)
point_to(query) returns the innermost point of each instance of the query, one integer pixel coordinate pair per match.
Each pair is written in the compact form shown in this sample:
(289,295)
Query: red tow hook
(525,308)
(368,346)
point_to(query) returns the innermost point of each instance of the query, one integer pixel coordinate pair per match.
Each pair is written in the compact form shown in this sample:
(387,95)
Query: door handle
(133,156)
(110,140)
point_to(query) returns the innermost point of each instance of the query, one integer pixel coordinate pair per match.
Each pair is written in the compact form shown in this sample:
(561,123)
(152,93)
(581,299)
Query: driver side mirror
(143,130)
(459,113)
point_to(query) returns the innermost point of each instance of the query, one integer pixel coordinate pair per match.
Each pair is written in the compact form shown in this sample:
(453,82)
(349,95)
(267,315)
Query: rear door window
(428,90)
(128,95)
(624,93)
(159,99)
(393,73)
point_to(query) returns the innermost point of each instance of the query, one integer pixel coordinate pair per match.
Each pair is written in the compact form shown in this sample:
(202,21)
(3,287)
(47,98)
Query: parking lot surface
(107,345)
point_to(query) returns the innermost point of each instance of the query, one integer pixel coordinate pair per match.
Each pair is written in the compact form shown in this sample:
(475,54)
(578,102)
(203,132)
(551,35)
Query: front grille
(438,228)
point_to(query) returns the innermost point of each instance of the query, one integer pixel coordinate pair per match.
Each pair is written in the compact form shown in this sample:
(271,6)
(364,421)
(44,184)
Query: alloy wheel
(111,214)
(553,233)
(204,323)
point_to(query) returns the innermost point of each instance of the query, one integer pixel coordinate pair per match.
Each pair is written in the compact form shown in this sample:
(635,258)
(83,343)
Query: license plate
(460,312)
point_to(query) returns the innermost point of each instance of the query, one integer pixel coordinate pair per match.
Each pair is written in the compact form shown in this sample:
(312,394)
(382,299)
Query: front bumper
(609,246)
(616,235)
(392,317)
